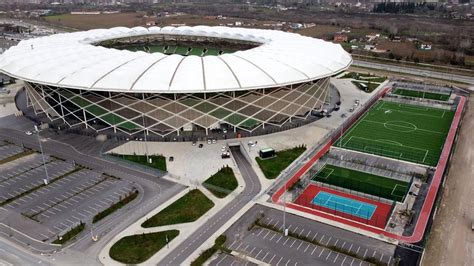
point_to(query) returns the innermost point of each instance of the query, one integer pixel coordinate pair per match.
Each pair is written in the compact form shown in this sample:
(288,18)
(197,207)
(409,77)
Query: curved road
(196,239)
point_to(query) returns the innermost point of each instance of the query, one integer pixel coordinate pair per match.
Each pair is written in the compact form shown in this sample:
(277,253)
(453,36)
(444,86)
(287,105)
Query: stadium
(176,81)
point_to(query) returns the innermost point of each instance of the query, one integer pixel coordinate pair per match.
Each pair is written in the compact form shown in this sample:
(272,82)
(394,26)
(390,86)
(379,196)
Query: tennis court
(316,199)
(363,182)
(421,94)
(402,131)
(345,205)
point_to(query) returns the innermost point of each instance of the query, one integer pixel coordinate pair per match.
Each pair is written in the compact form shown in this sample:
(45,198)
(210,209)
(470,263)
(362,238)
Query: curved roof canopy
(71,60)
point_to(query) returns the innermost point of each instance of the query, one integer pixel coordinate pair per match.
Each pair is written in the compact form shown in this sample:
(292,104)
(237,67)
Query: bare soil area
(452,241)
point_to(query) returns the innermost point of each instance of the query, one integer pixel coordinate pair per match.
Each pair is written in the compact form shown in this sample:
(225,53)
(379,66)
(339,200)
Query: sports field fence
(353,191)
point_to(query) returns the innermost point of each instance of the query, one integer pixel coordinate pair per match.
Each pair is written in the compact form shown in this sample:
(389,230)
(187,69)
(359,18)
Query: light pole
(146,145)
(42,155)
(285,231)
(424,83)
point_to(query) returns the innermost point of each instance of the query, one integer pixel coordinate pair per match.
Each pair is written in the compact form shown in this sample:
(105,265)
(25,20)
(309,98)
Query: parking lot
(7,150)
(337,246)
(225,259)
(74,194)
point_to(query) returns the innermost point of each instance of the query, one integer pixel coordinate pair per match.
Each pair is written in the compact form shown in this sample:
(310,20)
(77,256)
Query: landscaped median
(186,209)
(136,249)
(207,254)
(71,234)
(222,183)
(272,167)
(157,161)
(17,156)
(116,206)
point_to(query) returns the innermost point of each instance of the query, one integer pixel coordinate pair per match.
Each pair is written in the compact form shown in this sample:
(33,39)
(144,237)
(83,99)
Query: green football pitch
(421,94)
(363,182)
(401,131)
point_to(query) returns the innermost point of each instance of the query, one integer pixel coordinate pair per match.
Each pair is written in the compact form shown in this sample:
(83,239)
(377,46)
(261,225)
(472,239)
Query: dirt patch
(86,22)
(451,241)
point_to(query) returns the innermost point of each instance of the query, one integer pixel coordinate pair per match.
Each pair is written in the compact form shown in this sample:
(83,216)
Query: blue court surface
(346,205)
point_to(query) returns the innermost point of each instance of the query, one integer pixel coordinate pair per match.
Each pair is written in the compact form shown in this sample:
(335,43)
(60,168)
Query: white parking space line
(298,248)
(302,230)
(286,240)
(292,243)
(337,256)
(313,250)
(273,236)
(345,257)
(281,236)
(272,259)
(263,259)
(239,246)
(256,256)
(230,246)
(330,252)
(322,250)
(252,251)
(261,230)
(279,261)
(306,248)
(266,234)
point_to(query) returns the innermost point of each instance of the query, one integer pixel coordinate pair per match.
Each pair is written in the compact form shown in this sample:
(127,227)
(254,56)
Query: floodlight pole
(146,144)
(424,83)
(46,181)
(285,232)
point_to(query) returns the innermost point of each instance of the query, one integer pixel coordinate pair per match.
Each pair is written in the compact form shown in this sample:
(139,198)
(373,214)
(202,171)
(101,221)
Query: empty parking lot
(74,194)
(337,246)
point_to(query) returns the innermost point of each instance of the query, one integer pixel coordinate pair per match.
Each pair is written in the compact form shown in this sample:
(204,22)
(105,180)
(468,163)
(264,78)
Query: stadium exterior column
(85,119)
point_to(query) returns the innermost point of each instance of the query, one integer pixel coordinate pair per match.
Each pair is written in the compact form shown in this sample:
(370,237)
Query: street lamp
(146,145)
(46,181)
(285,231)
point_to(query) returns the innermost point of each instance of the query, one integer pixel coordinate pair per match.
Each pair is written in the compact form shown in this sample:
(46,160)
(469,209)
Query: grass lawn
(70,234)
(272,167)
(138,248)
(371,86)
(186,209)
(363,182)
(421,94)
(401,131)
(364,76)
(222,183)
(157,161)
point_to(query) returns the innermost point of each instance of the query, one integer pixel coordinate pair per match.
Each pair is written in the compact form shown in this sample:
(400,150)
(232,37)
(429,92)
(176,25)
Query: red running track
(427,207)
(378,219)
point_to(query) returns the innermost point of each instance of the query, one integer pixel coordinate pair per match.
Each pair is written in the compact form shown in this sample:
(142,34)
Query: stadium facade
(171,80)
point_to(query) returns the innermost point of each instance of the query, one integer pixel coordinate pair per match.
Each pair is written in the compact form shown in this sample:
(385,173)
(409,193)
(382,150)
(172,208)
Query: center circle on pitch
(400,126)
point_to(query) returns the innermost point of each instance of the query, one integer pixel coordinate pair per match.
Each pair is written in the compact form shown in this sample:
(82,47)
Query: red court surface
(379,218)
(430,198)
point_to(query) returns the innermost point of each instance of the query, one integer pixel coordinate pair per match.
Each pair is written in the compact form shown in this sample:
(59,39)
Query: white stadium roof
(71,60)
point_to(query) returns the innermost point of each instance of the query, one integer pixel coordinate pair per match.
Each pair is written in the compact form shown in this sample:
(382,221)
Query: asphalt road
(252,188)
(416,71)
